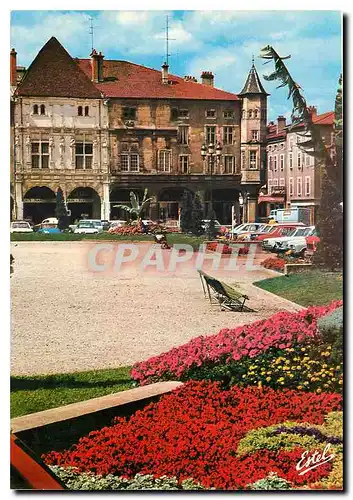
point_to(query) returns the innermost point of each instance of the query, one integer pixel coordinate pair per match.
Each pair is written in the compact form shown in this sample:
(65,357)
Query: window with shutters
(299,186)
(291,186)
(83,155)
(210,135)
(183,135)
(164,160)
(253,160)
(184,164)
(307,185)
(40,154)
(228,135)
(229,164)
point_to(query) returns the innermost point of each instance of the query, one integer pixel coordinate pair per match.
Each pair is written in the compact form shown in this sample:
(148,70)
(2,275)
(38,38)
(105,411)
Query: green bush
(92,482)
(271,482)
(331,329)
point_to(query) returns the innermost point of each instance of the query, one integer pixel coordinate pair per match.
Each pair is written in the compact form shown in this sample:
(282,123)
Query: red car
(277,231)
(311,244)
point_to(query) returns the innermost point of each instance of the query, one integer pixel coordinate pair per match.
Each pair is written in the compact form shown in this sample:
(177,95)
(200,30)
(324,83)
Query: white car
(298,246)
(278,244)
(50,220)
(86,227)
(248,228)
(20,226)
(297,239)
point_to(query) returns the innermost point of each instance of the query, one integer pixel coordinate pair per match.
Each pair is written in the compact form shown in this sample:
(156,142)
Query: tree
(330,217)
(210,226)
(136,209)
(196,216)
(61,212)
(186,224)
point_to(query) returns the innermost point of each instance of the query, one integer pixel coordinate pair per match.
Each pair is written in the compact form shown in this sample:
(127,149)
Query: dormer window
(35,109)
(86,111)
(42,109)
(79,111)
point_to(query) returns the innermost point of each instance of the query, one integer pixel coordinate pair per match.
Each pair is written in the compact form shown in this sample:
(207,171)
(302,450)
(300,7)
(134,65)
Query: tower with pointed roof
(253,137)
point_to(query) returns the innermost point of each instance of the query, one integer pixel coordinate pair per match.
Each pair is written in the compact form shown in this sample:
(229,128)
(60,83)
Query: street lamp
(211,155)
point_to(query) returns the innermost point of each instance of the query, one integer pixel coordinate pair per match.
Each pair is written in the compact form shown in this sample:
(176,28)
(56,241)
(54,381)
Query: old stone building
(101,128)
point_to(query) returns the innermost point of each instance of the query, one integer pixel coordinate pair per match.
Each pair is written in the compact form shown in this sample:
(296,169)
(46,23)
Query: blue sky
(218,41)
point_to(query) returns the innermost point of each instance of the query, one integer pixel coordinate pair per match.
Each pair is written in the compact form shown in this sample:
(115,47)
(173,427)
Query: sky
(219,41)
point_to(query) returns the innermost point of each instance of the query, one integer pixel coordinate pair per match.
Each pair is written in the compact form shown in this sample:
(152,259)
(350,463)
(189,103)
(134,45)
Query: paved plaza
(67,318)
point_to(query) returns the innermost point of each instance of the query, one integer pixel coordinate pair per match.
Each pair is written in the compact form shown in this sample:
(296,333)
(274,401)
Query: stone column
(105,204)
(18,201)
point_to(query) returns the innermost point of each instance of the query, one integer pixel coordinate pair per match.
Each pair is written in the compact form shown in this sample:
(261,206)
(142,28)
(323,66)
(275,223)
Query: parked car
(20,226)
(48,228)
(50,220)
(263,229)
(247,228)
(281,244)
(96,222)
(86,227)
(278,231)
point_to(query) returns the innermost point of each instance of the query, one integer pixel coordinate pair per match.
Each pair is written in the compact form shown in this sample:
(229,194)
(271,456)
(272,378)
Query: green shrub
(90,482)
(331,329)
(271,482)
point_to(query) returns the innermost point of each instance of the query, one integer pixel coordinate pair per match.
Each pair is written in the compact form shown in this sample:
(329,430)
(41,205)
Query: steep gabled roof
(54,73)
(128,80)
(253,84)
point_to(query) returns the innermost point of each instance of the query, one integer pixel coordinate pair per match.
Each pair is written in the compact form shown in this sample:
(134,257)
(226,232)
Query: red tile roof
(135,81)
(53,73)
(324,119)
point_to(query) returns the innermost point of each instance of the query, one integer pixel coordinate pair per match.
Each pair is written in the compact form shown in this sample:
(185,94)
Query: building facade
(102,128)
(293,176)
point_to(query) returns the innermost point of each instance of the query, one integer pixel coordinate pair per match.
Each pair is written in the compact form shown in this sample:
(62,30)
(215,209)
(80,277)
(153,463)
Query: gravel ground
(67,318)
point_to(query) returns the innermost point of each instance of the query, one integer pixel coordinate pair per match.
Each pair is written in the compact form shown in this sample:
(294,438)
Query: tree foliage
(136,209)
(330,217)
(186,209)
(197,215)
(61,212)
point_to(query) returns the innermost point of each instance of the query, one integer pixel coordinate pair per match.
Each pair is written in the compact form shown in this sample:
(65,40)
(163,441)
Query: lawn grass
(173,238)
(307,288)
(37,393)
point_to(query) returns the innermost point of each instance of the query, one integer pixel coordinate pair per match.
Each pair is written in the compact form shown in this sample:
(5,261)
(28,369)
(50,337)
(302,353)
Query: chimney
(13,68)
(207,78)
(165,68)
(312,110)
(97,66)
(281,123)
(100,66)
(189,78)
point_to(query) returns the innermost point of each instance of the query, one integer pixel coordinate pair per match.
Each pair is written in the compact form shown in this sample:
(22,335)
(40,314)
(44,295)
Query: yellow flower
(318,390)
(291,375)
(340,382)
(259,384)
(306,383)
(299,367)
(303,349)
(268,379)
(300,387)
(280,379)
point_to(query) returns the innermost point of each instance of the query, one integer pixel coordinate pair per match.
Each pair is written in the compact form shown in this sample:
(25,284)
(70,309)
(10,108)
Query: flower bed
(195,432)
(274,263)
(225,248)
(279,332)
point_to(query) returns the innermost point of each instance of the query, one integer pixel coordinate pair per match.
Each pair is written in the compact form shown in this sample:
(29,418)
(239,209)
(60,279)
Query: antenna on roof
(167,55)
(91,31)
